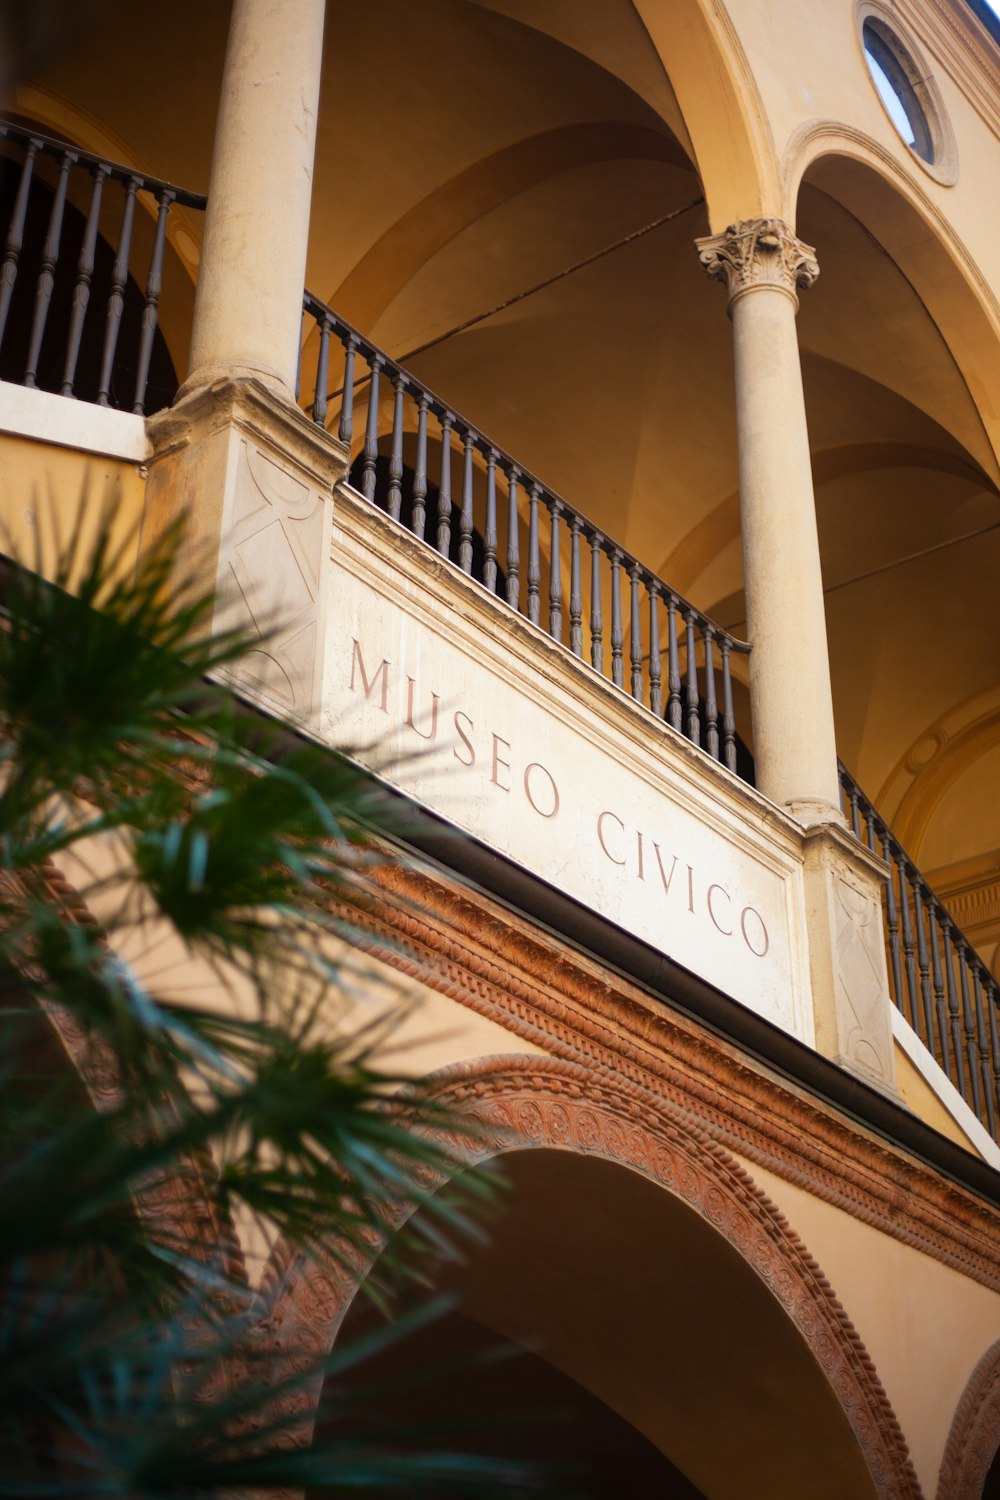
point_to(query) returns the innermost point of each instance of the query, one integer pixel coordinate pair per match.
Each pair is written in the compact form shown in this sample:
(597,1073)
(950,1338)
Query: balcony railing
(80,279)
(66,252)
(69,251)
(454,488)
(937,980)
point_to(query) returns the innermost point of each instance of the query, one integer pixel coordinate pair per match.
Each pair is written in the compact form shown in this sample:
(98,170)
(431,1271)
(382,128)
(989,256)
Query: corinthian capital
(756,253)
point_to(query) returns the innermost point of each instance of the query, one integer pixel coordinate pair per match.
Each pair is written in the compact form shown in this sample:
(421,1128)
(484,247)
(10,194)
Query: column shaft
(248,306)
(795,749)
(794,743)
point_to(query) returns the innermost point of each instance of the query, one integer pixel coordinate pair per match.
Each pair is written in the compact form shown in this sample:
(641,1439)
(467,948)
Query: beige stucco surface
(52,498)
(925,1325)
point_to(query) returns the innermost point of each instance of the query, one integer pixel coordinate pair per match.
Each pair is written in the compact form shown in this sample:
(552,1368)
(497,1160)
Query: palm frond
(129,1340)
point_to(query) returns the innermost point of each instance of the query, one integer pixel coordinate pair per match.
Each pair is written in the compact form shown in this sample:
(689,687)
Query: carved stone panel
(847,954)
(271,574)
(253,479)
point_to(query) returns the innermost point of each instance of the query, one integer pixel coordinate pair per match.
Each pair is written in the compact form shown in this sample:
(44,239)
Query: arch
(720,526)
(611,35)
(721,105)
(37,108)
(180,1208)
(161,381)
(697,49)
(954,758)
(864,178)
(974,1438)
(521,1104)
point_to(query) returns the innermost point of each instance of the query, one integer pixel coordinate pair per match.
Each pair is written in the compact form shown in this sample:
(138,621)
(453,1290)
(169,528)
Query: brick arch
(975,1433)
(523,1103)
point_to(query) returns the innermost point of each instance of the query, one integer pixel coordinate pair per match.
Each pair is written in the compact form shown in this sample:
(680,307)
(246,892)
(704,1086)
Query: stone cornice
(950,29)
(543,991)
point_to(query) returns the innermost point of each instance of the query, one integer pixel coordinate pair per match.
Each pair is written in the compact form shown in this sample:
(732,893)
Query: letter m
(368,685)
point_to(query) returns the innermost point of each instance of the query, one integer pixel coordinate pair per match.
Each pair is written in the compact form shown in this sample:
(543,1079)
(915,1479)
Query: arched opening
(895,352)
(654,1349)
(511,212)
(161,386)
(970,1469)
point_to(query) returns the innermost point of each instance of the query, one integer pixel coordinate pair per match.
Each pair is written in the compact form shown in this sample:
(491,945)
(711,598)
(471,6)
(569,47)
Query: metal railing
(71,237)
(454,488)
(556,568)
(936,978)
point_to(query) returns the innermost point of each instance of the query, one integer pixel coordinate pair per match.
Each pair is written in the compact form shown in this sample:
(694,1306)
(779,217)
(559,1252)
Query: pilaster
(253,480)
(847,966)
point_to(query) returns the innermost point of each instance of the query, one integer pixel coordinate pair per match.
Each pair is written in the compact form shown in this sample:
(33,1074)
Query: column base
(850,987)
(814,811)
(253,481)
(232,373)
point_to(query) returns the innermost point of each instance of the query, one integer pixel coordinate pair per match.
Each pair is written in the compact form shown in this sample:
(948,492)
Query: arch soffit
(523,1103)
(430,224)
(720,526)
(934,761)
(947,280)
(975,1433)
(585,30)
(718,97)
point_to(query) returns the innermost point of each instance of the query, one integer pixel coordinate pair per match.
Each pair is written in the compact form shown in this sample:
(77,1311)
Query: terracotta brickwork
(536,1104)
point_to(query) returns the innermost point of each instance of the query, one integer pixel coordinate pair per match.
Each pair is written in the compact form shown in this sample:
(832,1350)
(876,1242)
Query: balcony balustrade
(453,488)
(631,626)
(936,978)
(67,246)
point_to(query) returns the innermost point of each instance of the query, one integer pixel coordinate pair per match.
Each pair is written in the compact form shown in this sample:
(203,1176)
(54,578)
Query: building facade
(624,492)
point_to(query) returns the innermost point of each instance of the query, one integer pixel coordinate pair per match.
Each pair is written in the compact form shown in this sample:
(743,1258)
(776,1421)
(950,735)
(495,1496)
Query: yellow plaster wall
(925,1325)
(925,1104)
(811,73)
(51,497)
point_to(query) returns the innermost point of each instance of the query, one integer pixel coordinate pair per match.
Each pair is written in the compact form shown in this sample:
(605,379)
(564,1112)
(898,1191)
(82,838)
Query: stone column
(795,750)
(235,457)
(248,307)
(762,264)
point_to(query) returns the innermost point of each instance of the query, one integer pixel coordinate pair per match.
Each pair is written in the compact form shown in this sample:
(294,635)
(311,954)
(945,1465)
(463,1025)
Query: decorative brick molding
(543,991)
(975,1433)
(610,1042)
(537,1103)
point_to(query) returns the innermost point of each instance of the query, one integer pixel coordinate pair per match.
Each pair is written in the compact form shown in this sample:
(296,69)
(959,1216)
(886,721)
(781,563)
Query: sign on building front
(482,718)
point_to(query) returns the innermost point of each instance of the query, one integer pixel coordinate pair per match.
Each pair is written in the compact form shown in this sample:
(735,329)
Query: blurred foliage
(143,813)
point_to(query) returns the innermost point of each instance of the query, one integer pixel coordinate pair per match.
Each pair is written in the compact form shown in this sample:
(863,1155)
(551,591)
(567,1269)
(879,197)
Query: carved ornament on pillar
(756,253)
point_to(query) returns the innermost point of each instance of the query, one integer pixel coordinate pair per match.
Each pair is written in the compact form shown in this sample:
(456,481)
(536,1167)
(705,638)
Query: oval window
(897,80)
